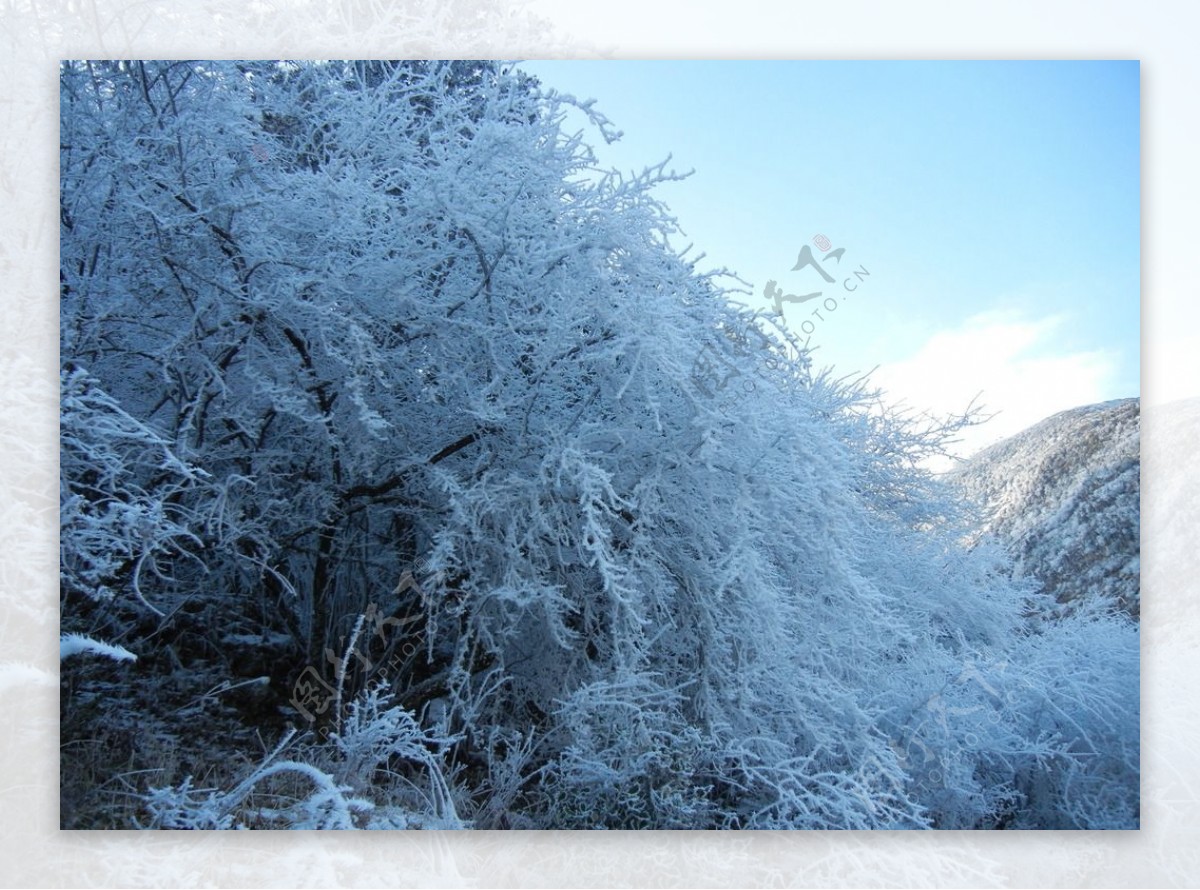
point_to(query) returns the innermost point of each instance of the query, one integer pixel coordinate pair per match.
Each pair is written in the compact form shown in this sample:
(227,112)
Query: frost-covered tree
(392,368)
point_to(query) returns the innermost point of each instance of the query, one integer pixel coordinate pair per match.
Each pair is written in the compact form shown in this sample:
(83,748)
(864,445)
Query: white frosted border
(35,853)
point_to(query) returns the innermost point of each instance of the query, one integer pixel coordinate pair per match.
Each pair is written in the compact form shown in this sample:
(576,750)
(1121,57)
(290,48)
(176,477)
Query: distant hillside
(1063,497)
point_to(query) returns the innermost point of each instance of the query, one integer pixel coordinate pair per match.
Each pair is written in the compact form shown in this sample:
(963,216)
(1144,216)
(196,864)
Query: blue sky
(995,205)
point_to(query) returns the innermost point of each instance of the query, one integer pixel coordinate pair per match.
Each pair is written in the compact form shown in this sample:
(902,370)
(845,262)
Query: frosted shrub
(115,523)
(376,738)
(1081,685)
(379,754)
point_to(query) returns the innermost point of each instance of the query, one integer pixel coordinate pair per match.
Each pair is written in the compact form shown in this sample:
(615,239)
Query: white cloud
(1011,362)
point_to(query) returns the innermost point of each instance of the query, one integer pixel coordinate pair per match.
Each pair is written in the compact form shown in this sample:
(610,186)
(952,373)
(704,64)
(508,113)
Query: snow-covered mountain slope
(1063,497)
